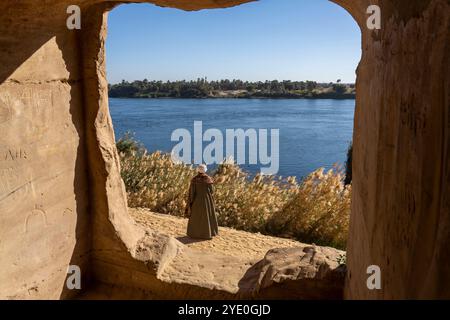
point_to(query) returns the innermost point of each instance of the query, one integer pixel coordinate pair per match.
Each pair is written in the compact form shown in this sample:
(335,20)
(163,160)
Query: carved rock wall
(59,172)
(400,208)
(44,216)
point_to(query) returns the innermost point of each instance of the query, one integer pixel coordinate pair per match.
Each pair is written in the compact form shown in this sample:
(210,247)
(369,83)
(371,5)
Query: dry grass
(315,210)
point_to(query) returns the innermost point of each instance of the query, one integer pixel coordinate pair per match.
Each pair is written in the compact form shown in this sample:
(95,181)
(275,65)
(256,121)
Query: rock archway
(54,119)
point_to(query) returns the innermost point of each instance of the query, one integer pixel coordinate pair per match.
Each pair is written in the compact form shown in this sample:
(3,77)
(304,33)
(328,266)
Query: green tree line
(202,88)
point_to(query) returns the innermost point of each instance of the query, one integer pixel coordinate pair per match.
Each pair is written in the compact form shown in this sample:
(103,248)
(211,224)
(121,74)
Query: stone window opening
(245,282)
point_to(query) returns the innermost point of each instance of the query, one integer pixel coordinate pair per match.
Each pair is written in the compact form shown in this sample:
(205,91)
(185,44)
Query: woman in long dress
(200,207)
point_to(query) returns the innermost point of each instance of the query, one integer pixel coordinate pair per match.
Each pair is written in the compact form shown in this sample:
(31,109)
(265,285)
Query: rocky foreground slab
(241,264)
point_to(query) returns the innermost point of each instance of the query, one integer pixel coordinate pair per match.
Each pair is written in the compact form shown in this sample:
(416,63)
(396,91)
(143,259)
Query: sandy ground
(224,263)
(229,241)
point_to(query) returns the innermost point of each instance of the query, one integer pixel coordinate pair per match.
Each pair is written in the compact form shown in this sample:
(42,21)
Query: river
(312,133)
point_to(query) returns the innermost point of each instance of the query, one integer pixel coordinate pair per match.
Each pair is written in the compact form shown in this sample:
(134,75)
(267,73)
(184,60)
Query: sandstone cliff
(62,200)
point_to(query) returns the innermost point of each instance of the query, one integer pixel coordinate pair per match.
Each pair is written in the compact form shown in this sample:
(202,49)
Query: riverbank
(229,242)
(247,95)
(315,210)
(324,96)
(232,89)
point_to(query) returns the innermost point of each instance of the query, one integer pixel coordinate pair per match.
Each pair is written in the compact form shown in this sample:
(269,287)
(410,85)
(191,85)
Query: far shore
(349,97)
(234,89)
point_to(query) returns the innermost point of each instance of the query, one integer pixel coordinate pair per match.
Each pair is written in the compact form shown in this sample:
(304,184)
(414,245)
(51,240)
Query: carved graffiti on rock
(14,154)
(36,219)
(5,112)
(29,108)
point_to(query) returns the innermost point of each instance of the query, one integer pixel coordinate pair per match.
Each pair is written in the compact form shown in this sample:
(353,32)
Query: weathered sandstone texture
(401,189)
(62,201)
(235,265)
(245,265)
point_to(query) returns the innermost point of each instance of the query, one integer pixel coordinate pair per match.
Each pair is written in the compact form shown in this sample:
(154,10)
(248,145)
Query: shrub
(127,145)
(245,203)
(348,165)
(318,212)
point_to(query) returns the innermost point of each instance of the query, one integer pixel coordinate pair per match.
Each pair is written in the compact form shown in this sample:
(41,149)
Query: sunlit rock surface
(62,201)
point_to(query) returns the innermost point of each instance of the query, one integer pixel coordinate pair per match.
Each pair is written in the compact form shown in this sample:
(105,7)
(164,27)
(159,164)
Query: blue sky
(264,40)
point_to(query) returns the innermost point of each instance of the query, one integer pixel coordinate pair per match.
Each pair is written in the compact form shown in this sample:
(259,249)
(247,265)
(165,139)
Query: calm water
(313,133)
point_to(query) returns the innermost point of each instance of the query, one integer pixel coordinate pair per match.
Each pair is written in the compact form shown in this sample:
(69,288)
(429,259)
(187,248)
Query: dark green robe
(202,221)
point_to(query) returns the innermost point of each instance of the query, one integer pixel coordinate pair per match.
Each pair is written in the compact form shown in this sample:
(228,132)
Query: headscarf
(202,177)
